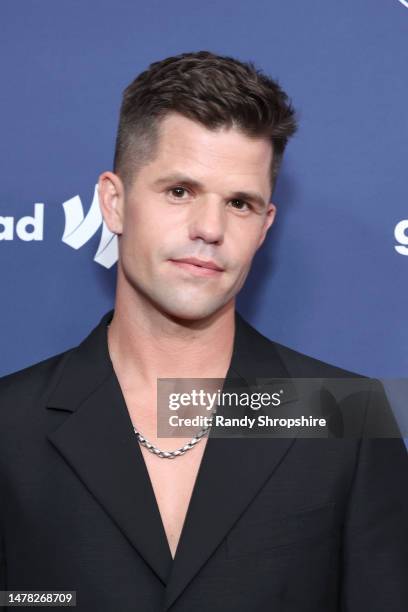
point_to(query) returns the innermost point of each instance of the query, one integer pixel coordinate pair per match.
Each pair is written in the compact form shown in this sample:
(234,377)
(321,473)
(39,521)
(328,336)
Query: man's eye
(239,204)
(178,192)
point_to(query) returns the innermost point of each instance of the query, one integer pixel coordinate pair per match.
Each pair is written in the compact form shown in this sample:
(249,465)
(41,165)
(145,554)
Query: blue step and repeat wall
(332,278)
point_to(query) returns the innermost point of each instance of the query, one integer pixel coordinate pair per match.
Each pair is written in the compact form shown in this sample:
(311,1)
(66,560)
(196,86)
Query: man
(92,499)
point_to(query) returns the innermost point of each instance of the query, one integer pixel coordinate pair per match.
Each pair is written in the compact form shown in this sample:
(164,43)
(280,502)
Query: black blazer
(285,524)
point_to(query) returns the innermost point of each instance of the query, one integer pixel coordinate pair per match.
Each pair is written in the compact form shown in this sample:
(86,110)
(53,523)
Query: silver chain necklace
(179,451)
(171,454)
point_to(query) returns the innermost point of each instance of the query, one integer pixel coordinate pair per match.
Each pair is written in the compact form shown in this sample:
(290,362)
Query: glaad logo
(79,229)
(36,222)
(404,2)
(401,236)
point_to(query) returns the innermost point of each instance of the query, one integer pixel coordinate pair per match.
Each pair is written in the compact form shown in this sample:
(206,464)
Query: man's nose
(208,220)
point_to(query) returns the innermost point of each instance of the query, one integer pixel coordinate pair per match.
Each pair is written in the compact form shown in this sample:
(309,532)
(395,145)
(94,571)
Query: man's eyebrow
(183,179)
(176,177)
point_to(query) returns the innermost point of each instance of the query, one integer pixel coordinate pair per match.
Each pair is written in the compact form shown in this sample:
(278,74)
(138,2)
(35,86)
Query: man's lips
(198,266)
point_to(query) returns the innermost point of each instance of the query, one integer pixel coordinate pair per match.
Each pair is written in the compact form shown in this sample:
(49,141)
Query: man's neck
(145,344)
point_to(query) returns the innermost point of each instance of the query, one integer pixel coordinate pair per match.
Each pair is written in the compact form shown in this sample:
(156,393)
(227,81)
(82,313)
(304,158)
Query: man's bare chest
(173,482)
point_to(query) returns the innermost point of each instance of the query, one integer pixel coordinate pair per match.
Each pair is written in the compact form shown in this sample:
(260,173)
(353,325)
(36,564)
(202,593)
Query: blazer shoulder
(299,365)
(26,386)
(308,365)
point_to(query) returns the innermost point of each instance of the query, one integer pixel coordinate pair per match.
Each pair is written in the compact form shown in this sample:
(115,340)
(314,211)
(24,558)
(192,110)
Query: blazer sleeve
(375,536)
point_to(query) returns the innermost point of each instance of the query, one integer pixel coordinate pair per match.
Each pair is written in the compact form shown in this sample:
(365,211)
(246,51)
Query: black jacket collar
(88,364)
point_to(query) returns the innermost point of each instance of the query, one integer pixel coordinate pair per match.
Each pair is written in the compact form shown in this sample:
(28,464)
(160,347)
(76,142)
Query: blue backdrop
(330,281)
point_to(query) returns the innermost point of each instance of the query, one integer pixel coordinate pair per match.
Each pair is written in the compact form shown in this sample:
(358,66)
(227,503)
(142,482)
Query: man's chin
(193,314)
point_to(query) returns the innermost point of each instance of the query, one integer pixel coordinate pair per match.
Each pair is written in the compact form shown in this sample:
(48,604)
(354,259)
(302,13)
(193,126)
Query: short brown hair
(213,90)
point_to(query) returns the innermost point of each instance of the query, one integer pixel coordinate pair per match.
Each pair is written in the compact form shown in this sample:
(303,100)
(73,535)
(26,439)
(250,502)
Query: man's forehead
(176,129)
(205,150)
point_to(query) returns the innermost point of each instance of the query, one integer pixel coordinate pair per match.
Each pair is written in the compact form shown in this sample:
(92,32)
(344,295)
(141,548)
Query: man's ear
(269,219)
(111,200)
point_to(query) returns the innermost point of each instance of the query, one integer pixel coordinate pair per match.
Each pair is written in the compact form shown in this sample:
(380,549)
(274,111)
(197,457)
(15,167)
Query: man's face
(193,218)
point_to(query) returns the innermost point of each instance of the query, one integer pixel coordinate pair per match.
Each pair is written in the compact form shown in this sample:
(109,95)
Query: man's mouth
(201,267)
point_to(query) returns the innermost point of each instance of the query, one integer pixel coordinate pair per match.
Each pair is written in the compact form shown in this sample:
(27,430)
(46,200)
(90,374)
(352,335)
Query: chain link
(171,454)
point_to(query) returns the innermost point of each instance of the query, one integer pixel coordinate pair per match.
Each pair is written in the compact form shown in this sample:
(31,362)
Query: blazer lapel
(233,470)
(98,442)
